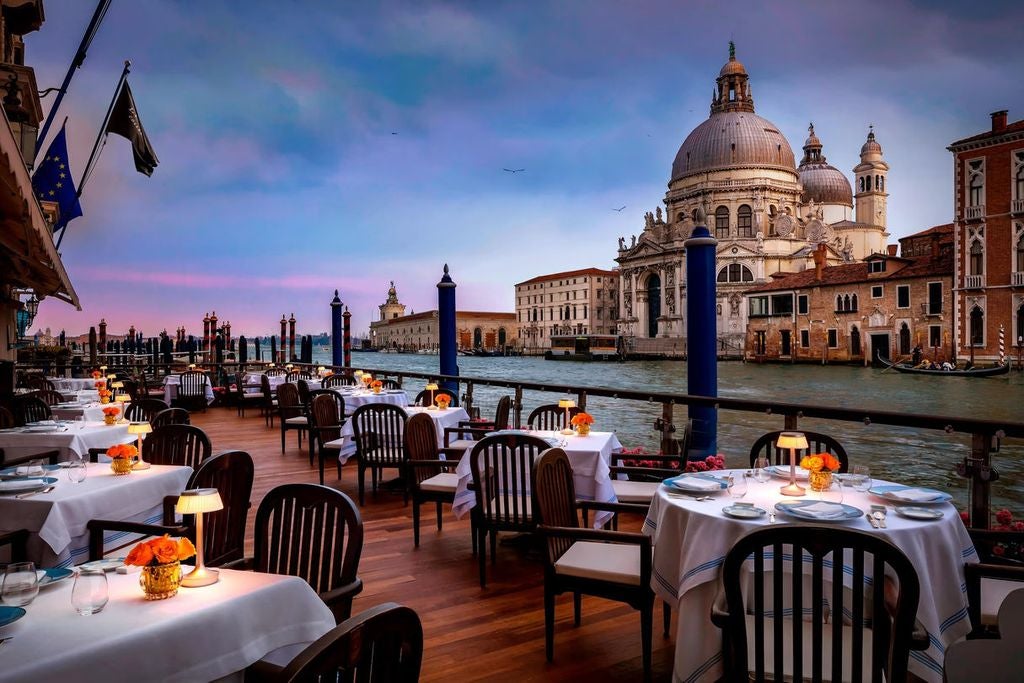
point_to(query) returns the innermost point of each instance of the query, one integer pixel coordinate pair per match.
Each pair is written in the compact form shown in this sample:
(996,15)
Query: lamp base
(567,432)
(141,465)
(793,489)
(200,576)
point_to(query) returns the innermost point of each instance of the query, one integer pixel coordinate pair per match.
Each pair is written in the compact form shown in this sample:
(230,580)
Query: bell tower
(870,189)
(392,307)
(733,86)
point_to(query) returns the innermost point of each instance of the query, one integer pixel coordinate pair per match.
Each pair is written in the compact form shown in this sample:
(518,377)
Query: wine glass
(77,471)
(89,595)
(761,466)
(737,485)
(860,477)
(834,493)
(21,585)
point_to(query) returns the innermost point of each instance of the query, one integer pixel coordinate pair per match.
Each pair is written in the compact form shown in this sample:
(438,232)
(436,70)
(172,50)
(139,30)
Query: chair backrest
(849,571)
(131,387)
(326,413)
(177,444)
(423,398)
(231,473)
(303,386)
(816,443)
(39,383)
(275,372)
(391,384)
(502,467)
(288,404)
(193,383)
(7,419)
(421,444)
(170,416)
(296,375)
(379,431)
(555,491)
(384,644)
(50,396)
(144,410)
(310,531)
(503,412)
(16,543)
(550,416)
(338,380)
(31,408)
(268,391)
(240,385)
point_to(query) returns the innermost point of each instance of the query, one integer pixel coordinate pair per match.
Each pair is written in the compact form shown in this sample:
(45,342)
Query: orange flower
(140,555)
(111,410)
(443,400)
(96,374)
(831,462)
(101,384)
(377,384)
(164,550)
(185,548)
(812,463)
(122,451)
(582,419)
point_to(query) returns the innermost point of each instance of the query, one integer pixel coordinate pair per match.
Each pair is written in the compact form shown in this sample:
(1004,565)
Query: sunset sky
(309,146)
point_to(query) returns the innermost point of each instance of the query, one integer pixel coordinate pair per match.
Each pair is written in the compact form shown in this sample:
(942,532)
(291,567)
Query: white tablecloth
(254,381)
(57,519)
(589,456)
(73,439)
(692,538)
(171,383)
(442,418)
(92,411)
(201,634)
(65,384)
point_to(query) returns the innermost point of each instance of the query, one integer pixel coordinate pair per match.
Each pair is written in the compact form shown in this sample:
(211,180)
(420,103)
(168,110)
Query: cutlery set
(877,516)
(35,493)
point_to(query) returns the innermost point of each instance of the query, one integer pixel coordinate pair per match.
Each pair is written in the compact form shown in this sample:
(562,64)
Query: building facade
(989,239)
(768,214)
(881,307)
(584,301)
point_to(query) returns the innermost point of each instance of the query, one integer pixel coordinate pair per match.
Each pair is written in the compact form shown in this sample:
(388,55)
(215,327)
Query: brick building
(855,312)
(582,301)
(989,238)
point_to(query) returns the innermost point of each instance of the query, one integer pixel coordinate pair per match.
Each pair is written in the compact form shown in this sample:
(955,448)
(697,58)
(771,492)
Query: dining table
(449,417)
(201,634)
(692,536)
(590,456)
(90,411)
(171,383)
(72,439)
(72,384)
(56,520)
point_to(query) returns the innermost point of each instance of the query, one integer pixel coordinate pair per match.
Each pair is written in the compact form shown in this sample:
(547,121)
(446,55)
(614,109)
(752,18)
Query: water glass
(89,595)
(77,470)
(860,477)
(834,493)
(761,472)
(21,585)
(737,485)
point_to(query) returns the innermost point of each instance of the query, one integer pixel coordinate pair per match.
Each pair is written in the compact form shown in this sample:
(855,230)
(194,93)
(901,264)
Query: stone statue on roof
(657,215)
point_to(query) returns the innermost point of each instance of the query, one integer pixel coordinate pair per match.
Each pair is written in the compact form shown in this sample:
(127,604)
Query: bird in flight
(394,133)
(619,209)
(513,170)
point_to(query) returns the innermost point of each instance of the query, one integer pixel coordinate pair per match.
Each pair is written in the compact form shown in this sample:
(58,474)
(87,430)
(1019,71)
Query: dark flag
(124,121)
(52,182)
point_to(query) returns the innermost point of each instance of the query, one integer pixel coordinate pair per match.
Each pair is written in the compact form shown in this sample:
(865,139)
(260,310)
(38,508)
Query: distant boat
(991,371)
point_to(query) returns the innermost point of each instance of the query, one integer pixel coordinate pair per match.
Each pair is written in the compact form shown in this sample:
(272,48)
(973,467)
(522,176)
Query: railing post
(668,444)
(519,407)
(790,424)
(978,468)
(581,400)
(468,399)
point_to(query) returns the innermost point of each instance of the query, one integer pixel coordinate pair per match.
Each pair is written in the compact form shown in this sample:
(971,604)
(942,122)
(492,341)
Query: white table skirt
(589,456)
(74,440)
(171,383)
(442,418)
(57,520)
(201,634)
(692,538)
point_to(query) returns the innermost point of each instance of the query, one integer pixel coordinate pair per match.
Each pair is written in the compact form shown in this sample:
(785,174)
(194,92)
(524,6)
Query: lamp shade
(567,403)
(430,387)
(140,428)
(358,373)
(792,440)
(198,500)
(111,376)
(117,385)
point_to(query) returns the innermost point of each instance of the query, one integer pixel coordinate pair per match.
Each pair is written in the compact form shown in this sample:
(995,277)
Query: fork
(35,493)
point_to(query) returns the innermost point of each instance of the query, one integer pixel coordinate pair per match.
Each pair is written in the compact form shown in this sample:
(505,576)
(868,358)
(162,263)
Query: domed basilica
(768,214)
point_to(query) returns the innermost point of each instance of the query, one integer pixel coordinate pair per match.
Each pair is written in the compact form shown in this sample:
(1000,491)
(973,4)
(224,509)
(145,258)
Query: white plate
(914,512)
(744,511)
(107,565)
(26,485)
(697,482)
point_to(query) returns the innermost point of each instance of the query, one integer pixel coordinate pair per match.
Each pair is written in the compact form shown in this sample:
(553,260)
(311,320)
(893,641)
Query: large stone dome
(825,184)
(730,139)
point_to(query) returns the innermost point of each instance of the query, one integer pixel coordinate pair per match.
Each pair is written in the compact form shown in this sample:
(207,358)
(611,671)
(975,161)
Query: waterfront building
(483,330)
(583,301)
(882,307)
(988,177)
(768,214)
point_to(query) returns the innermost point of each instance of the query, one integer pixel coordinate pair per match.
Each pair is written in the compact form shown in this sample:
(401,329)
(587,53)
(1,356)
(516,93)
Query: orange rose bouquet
(100,384)
(158,551)
(111,411)
(582,419)
(96,374)
(820,462)
(442,401)
(125,450)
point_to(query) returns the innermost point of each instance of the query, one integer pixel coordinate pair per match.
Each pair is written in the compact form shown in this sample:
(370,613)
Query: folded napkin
(698,484)
(822,510)
(915,495)
(19,484)
(24,470)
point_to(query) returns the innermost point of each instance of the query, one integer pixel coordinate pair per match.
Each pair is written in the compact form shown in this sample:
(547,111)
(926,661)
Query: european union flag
(52,182)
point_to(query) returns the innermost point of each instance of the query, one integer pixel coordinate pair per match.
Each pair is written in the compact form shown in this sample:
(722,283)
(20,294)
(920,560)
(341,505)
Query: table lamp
(140,428)
(191,366)
(103,368)
(121,400)
(114,386)
(196,502)
(320,371)
(793,441)
(431,388)
(567,403)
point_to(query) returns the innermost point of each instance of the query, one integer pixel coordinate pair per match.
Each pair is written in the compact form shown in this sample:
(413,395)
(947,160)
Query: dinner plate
(914,512)
(795,508)
(9,615)
(696,482)
(782,472)
(106,565)
(740,511)
(890,492)
(26,485)
(11,472)
(55,575)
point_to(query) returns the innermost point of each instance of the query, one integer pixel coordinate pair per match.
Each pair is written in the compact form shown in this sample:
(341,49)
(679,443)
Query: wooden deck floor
(471,634)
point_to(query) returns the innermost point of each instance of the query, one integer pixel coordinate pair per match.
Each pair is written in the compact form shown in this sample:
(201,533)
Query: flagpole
(76,63)
(103,128)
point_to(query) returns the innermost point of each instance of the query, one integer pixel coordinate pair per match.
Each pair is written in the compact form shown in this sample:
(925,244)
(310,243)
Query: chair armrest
(608,506)
(50,456)
(244,564)
(339,600)
(627,537)
(489,425)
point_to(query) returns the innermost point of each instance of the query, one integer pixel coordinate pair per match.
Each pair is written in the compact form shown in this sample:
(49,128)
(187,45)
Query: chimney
(819,262)
(999,121)
(891,248)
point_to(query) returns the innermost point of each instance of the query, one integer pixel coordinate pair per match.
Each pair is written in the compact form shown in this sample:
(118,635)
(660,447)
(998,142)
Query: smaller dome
(733,66)
(871,146)
(825,184)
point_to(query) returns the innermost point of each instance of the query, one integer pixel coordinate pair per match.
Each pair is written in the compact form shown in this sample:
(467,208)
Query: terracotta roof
(849,273)
(1010,128)
(945,228)
(569,273)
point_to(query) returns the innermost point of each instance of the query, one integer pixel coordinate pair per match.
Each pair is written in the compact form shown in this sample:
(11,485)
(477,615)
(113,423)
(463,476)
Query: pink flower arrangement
(712,462)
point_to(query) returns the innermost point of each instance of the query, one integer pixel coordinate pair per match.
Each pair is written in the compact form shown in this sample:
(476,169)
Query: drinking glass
(21,585)
(77,470)
(860,478)
(89,595)
(761,466)
(737,485)
(834,493)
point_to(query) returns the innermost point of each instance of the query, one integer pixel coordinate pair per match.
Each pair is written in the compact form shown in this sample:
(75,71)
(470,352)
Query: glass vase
(160,581)
(820,481)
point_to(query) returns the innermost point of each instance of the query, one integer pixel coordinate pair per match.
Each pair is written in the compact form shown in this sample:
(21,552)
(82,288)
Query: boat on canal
(990,371)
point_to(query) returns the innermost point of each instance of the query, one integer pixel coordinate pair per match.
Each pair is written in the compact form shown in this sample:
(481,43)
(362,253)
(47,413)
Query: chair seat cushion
(993,592)
(634,491)
(806,650)
(300,420)
(445,482)
(461,444)
(614,562)
(335,443)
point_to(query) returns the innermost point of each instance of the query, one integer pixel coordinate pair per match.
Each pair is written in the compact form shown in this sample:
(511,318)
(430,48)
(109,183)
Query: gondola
(973,372)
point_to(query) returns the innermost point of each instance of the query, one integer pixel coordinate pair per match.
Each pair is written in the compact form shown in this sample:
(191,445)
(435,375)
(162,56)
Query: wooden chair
(16,545)
(387,383)
(326,415)
(231,473)
(177,444)
(303,386)
(296,375)
(145,409)
(502,467)
(423,398)
(29,408)
(39,383)
(291,413)
(384,644)
(338,380)
(608,564)
(7,419)
(170,416)
(379,433)
(269,403)
(51,396)
(999,572)
(191,391)
(643,482)
(131,387)
(430,479)
(246,399)
(149,387)
(275,372)
(871,634)
(468,432)
(313,532)
(765,447)
(991,660)
(550,417)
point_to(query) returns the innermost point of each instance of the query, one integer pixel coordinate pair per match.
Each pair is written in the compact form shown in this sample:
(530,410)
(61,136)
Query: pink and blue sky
(309,146)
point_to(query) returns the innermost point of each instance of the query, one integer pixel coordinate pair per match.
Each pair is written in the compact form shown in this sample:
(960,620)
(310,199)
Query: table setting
(89,411)
(171,383)
(73,438)
(449,417)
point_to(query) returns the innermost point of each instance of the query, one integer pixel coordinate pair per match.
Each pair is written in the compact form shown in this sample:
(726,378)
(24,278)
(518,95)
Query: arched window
(977,259)
(878,182)
(478,338)
(1020,324)
(502,336)
(722,222)
(680,216)
(854,341)
(976,187)
(904,339)
(860,184)
(881,181)
(735,272)
(853,302)
(1018,178)
(977,326)
(694,215)
(566,312)
(839,302)
(744,221)
(1020,254)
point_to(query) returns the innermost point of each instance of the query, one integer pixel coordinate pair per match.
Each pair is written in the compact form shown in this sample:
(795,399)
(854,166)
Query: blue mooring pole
(701,336)
(447,343)
(337,345)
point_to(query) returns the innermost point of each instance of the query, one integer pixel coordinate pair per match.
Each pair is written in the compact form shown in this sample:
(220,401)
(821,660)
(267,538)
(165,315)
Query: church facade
(768,213)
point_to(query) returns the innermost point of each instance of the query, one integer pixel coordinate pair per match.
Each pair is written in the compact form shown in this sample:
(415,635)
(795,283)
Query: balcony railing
(1017,206)
(974,281)
(973,213)
(1017,278)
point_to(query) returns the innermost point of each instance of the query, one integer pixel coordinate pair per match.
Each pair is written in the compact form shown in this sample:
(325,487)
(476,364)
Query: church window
(860,184)
(881,183)
(735,272)
(878,182)
(976,183)
(977,326)
(839,303)
(743,217)
(977,259)
(853,303)
(679,219)
(722,221)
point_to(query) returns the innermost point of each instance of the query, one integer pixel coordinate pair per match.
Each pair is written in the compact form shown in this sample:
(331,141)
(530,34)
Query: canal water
(920,456)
